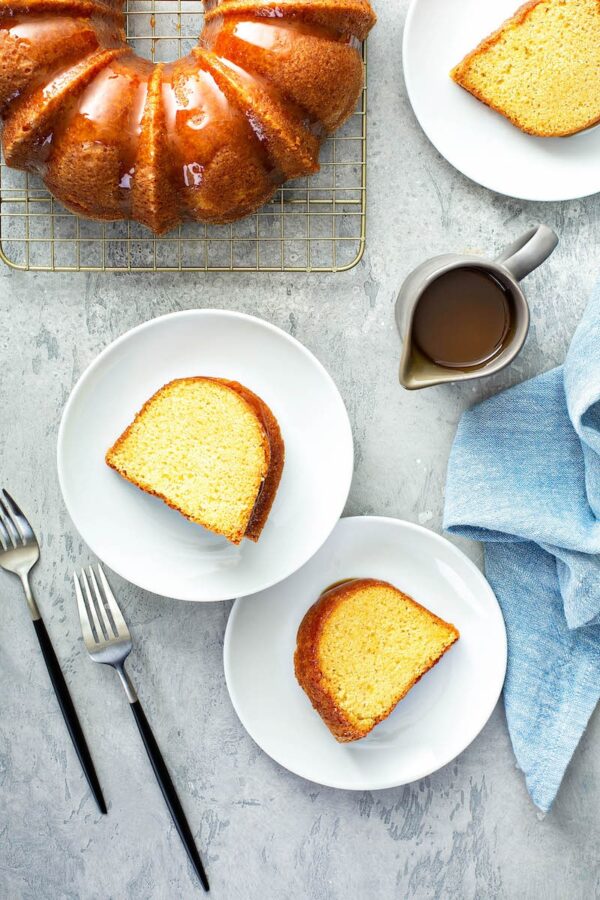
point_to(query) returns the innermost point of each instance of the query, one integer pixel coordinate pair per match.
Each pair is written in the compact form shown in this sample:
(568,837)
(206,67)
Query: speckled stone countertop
(468,831)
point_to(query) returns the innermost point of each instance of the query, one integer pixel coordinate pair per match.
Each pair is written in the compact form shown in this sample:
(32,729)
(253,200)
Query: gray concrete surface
(470,830)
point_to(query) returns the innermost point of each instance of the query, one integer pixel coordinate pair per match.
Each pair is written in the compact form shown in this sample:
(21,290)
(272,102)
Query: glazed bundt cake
(209,137)
(209,448)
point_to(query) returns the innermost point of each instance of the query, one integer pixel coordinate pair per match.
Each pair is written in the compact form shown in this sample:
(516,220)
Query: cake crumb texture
(205,446)
(360,648)
(541,69)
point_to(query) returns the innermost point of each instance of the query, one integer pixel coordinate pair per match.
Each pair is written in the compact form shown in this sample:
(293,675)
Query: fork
(19,552)
(108,641)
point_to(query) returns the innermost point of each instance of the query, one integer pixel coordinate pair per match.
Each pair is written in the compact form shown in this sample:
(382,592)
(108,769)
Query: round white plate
(139,536)
(437,719)
(479,142)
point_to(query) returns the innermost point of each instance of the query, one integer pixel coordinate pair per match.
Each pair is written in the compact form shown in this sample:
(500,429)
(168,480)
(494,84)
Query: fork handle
(69,714)
(169,793)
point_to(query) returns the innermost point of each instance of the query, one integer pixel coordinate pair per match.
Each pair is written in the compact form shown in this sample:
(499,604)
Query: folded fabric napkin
(524,478)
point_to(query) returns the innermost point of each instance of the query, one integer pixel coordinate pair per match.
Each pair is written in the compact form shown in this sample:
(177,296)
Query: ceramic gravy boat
(514,263)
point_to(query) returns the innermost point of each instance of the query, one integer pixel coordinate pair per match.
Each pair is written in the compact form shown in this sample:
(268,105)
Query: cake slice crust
(541,68)
(209,448)
(360,649)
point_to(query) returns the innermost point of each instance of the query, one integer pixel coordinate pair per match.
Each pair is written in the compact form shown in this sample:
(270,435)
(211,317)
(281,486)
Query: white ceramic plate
(440,716)
(479,142)
(139,536)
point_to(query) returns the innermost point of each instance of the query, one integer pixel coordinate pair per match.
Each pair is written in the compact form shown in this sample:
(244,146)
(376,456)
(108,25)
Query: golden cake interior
(361,648)
(541,69)
(201,446)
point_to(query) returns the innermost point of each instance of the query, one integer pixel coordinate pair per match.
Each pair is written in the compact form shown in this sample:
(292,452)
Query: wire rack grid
(312,224)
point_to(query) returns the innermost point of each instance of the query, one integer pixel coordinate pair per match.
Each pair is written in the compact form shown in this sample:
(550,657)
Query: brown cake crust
(270,485)
(209,137)
(306,657)
(273,445)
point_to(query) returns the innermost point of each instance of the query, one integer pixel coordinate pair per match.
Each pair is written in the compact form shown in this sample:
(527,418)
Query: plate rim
(385,784)
(529,197)
(97,361)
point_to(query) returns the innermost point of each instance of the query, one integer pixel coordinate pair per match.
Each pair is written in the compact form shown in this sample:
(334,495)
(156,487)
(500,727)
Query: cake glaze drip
(209,137)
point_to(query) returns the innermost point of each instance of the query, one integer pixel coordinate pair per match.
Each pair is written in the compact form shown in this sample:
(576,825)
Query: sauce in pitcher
(463,318)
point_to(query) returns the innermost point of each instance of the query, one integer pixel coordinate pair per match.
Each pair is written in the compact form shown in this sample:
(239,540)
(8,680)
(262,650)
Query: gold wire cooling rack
(313,224)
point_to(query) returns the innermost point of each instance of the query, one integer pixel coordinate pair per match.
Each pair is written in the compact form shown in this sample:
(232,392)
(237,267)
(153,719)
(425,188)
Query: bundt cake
(209,137)
(360,649)
(210,449)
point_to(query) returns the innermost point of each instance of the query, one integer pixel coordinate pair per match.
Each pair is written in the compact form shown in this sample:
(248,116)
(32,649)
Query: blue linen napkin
(524,478)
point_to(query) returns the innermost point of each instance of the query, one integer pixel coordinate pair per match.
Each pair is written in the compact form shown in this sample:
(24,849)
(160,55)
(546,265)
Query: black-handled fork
(19,552)
(108,641)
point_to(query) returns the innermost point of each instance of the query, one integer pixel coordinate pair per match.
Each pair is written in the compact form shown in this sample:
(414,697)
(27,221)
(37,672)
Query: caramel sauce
(463,319)
(199,119)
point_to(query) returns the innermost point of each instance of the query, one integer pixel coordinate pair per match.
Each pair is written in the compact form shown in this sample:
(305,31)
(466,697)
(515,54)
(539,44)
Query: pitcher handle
(529,251)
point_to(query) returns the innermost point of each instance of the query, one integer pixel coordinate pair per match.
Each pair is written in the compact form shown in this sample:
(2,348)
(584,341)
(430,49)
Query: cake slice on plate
(360,649)
(541,69)
(210,449)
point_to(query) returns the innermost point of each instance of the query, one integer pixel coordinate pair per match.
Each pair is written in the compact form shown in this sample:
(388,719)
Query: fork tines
(15,530)
(101,618)
(19,553)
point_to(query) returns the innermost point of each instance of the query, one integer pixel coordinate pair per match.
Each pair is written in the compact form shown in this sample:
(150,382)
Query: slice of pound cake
(360,649)
(210,449)
(541,69)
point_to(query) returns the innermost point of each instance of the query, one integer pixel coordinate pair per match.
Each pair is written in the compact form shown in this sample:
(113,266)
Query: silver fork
(19,552)
(108,641)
